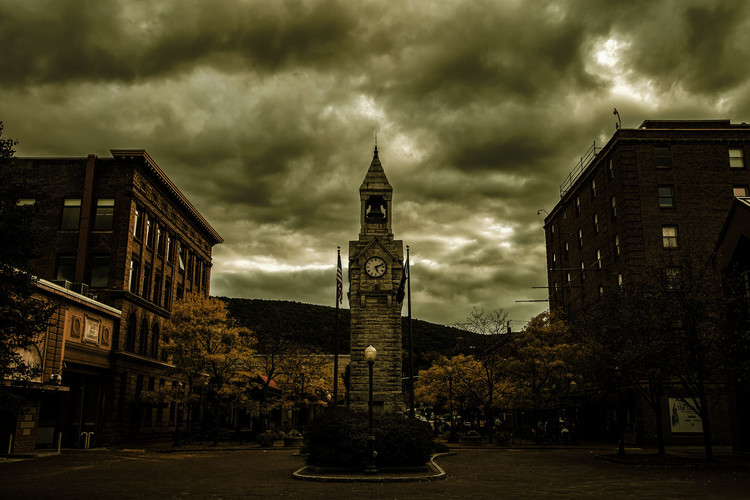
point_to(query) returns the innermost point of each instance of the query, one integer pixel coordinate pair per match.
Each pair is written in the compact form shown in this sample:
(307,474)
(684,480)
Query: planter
(292,442)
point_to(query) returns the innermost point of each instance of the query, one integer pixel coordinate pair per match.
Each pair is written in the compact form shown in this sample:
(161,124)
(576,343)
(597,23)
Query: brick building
(648,191)
(118,229)
(77,343)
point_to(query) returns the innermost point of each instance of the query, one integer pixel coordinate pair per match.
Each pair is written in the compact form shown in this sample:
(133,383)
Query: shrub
(293,434)
(340,438)
(337,438)
(267,438)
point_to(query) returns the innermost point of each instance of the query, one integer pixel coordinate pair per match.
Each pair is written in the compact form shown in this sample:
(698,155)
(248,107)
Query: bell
(376,212)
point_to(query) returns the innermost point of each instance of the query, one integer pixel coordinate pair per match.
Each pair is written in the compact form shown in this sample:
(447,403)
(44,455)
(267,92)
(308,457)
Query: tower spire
(375,154)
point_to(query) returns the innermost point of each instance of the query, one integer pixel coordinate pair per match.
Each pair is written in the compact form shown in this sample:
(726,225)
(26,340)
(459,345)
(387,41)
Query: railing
(574,174)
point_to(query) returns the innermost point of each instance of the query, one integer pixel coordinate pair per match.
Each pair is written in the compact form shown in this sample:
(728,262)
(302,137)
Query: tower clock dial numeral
(375,267)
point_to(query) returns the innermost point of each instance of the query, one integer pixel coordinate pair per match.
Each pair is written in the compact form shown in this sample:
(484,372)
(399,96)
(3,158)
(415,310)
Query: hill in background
(312,326)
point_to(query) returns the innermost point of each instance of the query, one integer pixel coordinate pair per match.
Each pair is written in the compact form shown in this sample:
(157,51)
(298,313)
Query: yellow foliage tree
(207,349)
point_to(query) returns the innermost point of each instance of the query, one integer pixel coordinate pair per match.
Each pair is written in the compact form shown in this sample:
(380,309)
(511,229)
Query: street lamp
(370,354)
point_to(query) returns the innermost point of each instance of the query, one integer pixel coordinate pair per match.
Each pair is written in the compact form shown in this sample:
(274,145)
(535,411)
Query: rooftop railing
(579,168)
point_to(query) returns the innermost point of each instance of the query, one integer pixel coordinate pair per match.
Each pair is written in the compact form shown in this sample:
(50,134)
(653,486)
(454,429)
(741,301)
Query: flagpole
(411,345)
(339,297)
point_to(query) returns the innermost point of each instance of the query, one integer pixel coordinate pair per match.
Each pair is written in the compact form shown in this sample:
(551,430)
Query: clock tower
(375,270)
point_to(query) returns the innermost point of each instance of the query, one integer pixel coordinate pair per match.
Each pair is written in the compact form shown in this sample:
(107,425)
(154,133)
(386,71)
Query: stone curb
(438,473)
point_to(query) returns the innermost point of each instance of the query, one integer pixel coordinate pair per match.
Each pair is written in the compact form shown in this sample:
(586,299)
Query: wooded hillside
(312,326)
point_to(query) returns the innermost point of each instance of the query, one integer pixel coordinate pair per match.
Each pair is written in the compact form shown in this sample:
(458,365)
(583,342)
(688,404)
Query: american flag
(339,282)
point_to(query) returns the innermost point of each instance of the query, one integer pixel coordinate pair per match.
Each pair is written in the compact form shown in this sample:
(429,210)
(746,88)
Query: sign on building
(683,418)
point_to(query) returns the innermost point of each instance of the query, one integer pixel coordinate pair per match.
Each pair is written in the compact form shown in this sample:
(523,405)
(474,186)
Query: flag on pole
(402,286)
(339,282)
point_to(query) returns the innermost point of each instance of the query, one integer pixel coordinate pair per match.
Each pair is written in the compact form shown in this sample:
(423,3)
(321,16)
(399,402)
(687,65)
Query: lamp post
(370,354)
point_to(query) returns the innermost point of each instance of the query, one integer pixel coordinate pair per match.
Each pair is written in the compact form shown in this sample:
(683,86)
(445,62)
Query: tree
(491,328)
(544,358)
(207,349)
(23,319)
(667,326)
(624,336)
(452,382)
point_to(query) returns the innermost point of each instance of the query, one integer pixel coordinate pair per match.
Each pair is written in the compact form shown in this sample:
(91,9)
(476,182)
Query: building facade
(662,186)
(648,194)
(118,230)
(375,271)
(78,342)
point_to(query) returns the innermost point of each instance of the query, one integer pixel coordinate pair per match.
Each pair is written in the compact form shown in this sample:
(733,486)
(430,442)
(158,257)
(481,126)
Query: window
(130,338)
(613,204)
(593,189)
(149,233)
(673,276)
(168,294)
(71,214)
(661,157)
(155,340)
(554,257)
(144,337)
(736,158)
(105,211)
(598,259)
(169,248)
(180,292)
(596,224)
(159,241)
(566,251)
(739,191)
(583,271)
(578,205)
(567,278)
(138,224)
(134,276)
(99,271)
(199,271)
(65,269)
(552,233)
(25,202)
(190,261)
(616,245)
(157,289)
(666,197)
(619,280)
(611,165)
(601,291)
(146,282)
(669,236)
(181,257)
(580,238)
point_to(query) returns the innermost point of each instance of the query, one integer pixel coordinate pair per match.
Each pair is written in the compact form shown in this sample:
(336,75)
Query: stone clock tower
(375,269)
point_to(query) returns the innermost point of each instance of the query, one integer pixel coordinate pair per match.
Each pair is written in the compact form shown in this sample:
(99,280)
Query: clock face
(375,267)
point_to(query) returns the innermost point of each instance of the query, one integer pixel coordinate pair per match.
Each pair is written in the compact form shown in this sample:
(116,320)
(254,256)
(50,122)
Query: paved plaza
(479,473)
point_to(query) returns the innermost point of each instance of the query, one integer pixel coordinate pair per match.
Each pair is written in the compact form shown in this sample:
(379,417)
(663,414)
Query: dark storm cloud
(263,114)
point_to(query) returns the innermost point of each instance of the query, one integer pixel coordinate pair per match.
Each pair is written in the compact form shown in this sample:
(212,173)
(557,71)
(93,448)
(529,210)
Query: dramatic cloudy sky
(263,113)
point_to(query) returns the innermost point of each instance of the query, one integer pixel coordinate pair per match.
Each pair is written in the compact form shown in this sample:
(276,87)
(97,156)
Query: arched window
(144,337)
(130,338)
(155,340)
